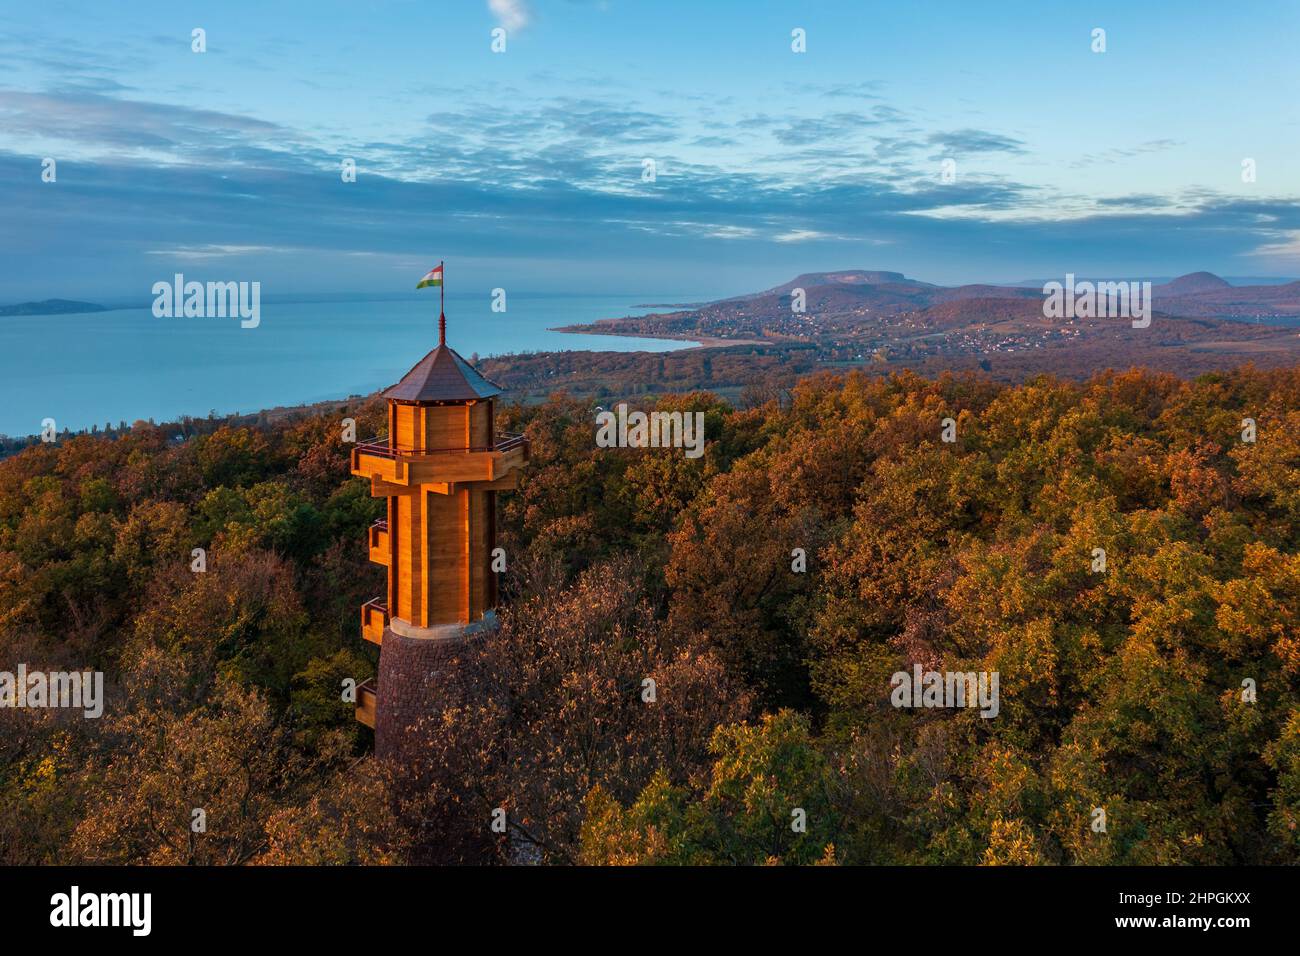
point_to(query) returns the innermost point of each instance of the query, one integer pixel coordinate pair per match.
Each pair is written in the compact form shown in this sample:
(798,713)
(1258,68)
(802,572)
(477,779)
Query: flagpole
(442,305)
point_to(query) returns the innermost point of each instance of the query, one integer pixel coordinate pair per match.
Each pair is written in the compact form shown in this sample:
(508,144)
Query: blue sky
(523,169)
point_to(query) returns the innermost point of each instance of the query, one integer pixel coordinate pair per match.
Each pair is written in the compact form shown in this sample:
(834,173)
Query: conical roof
(442,376)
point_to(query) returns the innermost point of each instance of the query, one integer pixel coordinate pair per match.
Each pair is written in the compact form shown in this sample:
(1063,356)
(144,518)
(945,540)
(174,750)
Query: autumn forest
(828,538)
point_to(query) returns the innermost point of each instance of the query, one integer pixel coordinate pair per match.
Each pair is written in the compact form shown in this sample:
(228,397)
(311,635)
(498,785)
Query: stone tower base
(417,677)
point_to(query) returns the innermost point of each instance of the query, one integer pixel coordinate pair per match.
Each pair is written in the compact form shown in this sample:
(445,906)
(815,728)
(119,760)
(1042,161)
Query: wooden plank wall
(404,426)
(481,424)
(480,544)
(446,426)
(409,568)
(447,548)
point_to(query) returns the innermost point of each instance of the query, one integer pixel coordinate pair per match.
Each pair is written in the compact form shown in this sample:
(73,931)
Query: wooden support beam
(508,483)
(384,489)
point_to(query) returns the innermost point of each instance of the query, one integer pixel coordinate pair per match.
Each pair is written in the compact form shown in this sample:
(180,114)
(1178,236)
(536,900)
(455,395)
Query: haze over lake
(126,365)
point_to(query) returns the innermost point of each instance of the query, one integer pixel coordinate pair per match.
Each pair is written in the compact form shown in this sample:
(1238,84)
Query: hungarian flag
(434,277)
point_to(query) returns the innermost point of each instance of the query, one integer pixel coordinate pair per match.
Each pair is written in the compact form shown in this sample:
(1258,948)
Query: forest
(1163,689)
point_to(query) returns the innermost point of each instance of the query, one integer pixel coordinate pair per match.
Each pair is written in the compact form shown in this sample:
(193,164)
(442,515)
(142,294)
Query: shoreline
(276,412)
(703,341)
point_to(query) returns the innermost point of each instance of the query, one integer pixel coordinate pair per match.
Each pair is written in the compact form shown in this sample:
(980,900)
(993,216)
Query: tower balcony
(365,706)
(374,618)
(379,542)
(385,465)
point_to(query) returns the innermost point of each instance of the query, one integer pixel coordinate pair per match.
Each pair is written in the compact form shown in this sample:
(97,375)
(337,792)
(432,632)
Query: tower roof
(442,376)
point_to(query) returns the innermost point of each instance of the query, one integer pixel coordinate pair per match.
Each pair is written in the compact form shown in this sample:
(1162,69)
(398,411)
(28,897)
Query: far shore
(704,341)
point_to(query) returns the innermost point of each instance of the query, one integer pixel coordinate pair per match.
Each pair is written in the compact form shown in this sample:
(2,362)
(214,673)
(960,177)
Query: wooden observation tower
(439,469)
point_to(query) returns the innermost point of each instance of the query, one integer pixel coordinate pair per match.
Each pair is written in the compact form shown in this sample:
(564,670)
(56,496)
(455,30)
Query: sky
(526,169)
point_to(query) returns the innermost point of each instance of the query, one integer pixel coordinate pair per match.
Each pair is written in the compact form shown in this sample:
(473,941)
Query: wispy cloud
(802,235)
(511,14)
(1121,153)
(975,141)
(89,122)
(831,127)
(195,253)
(1285,251)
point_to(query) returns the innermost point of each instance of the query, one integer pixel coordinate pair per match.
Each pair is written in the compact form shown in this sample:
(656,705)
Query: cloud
(835,126)
(800,235)
(729,232)
(91,121)
(1119,154)
(864,89)
(511,14)
(975,141)
(713,142)
(558,178)
(1133,201)
(575,124)
(1286,251)
(197,253)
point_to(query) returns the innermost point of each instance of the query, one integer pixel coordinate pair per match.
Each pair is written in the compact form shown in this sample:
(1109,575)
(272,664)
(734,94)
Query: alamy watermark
(63,689)
(75,908)
(626,429)
(213,300)
(946,689)
(1098,300)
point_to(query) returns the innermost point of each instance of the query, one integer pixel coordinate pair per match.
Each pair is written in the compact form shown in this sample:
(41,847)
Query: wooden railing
(366,702)
(373,630)
(377,540)
(381,449)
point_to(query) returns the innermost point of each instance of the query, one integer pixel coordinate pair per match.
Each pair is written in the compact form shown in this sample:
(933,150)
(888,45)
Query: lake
(127,365)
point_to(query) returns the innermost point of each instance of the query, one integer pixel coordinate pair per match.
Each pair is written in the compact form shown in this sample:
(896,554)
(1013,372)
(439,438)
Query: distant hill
(1200,322)
(51,307)
(957,313)
(1229,301)
(860,291)
(849,300)
(848,277)
(844,277)
(1192,284)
